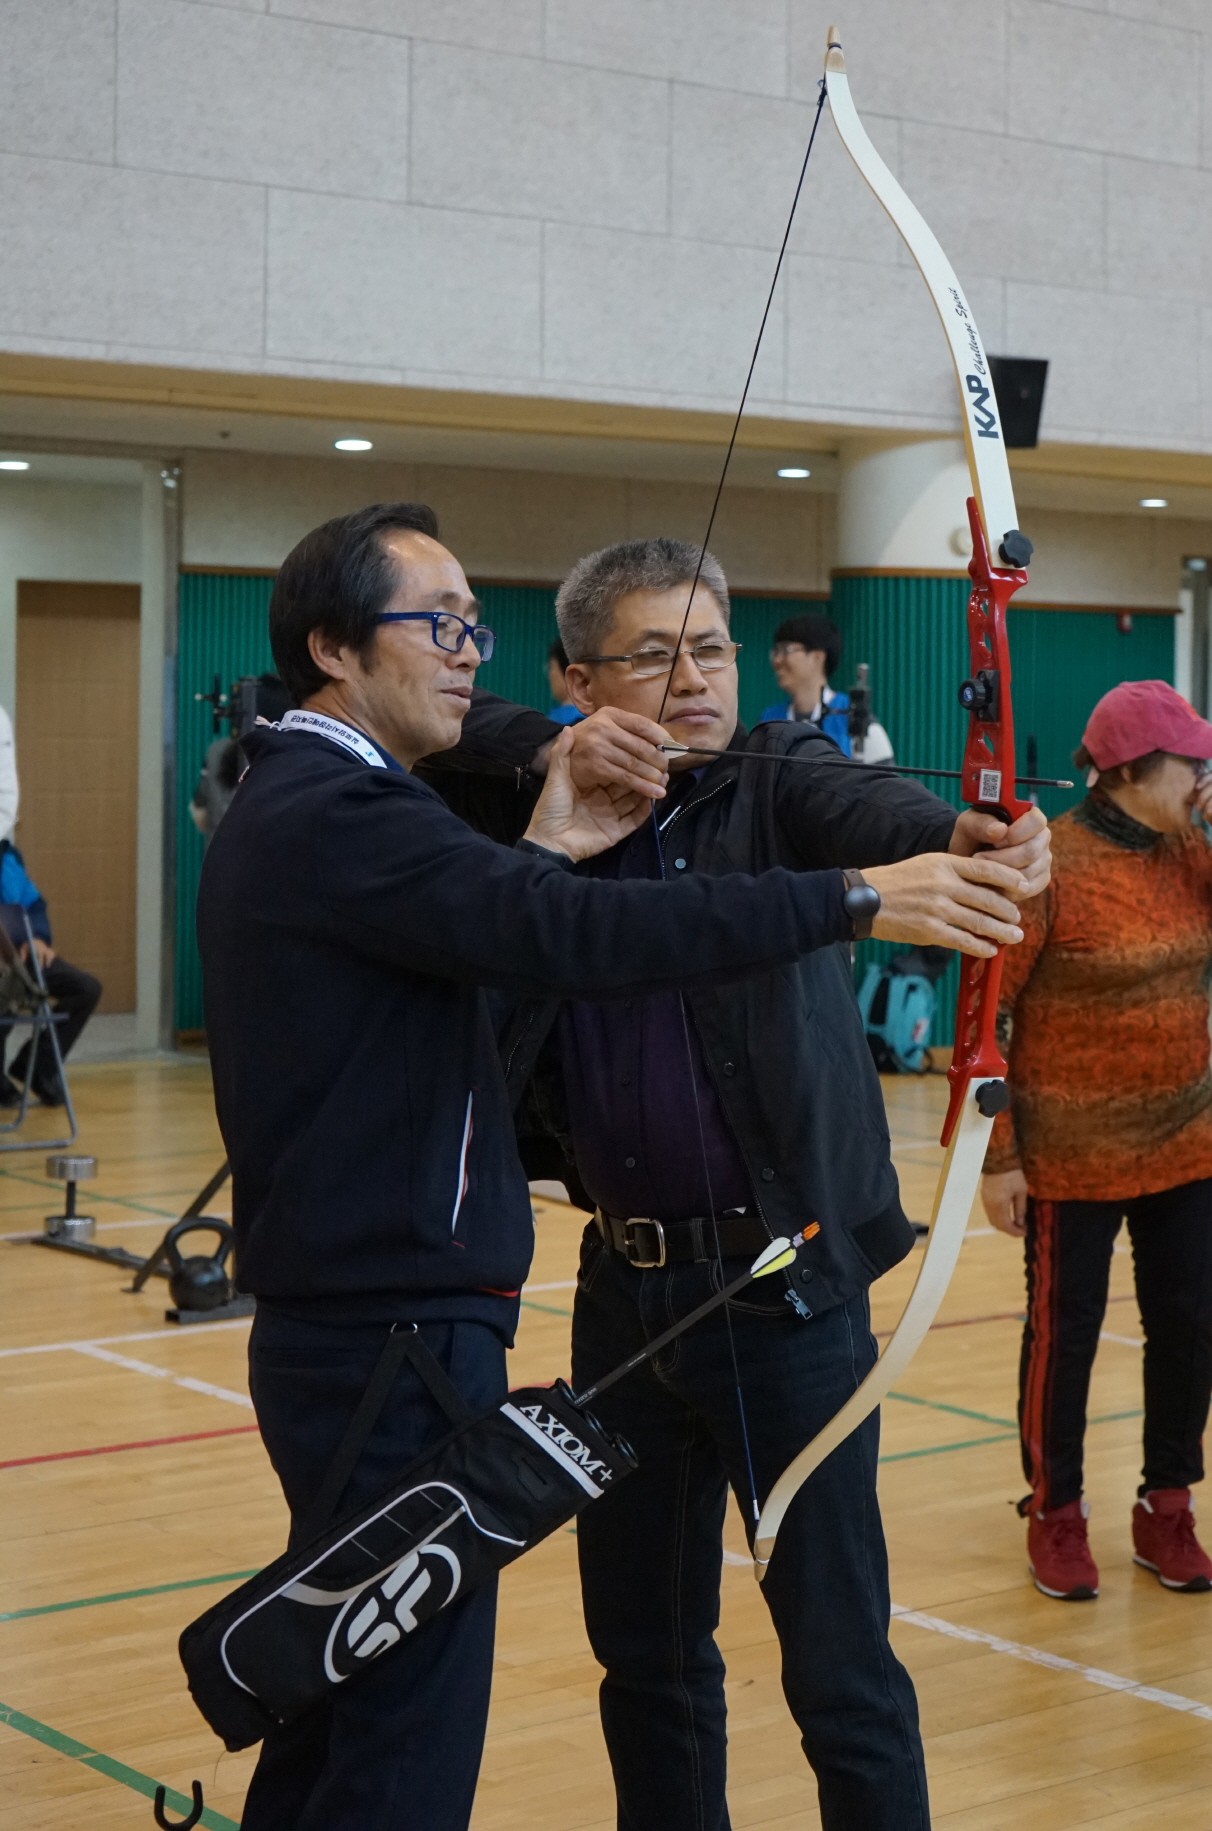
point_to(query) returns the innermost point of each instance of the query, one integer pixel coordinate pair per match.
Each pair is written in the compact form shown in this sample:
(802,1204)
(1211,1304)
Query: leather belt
(648,1244)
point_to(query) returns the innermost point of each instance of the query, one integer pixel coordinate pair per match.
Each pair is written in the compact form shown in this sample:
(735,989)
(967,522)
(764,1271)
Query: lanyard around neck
(336,733)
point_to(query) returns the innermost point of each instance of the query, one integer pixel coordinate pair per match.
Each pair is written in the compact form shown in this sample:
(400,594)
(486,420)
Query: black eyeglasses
(449,632)
(709,656)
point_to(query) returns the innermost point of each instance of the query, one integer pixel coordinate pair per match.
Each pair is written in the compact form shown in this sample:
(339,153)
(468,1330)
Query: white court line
(105,1341)
(1110,1681)
(561,1284)
(1125,1341)
(163,1373)
(735,1557)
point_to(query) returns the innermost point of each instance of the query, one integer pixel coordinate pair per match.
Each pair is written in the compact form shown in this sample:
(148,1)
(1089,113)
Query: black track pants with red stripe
(1069,1248)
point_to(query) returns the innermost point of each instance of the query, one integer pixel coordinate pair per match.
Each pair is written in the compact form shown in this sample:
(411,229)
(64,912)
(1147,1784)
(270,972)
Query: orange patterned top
(1109,1055)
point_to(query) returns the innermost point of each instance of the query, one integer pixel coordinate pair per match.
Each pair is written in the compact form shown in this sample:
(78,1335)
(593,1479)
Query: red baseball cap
(1143,715)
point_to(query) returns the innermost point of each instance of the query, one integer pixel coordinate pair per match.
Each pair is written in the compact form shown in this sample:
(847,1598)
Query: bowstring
(736,424)
(656,828)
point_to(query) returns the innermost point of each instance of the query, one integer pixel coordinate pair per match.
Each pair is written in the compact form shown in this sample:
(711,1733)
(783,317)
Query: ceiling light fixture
(13,464)
(1154,502)
(353,445)
(794,470)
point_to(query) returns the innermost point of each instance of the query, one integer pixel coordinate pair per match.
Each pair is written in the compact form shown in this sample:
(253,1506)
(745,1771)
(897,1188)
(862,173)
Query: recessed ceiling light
(353,444)
(1154,502)
(1197,565)
(13,464)
(794,470)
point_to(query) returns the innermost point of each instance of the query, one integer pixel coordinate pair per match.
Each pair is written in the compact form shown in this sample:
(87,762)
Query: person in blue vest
(805,651)
(73,991)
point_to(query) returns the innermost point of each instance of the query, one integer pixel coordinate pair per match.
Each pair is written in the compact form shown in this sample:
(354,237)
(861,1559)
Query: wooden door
(77,729)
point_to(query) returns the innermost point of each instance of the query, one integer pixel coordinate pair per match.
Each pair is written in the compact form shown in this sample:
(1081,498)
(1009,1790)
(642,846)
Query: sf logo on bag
(379,1615)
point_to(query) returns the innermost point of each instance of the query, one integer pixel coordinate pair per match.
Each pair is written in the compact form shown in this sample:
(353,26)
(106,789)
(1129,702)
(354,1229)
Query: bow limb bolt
(999,556)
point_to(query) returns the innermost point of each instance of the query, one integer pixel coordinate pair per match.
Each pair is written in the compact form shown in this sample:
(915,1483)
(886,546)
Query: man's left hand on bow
(1027,845)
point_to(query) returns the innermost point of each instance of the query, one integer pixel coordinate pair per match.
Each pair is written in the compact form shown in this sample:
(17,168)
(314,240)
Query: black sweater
(348,925)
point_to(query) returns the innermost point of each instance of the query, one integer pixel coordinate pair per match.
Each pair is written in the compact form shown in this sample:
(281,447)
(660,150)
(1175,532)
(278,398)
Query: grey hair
(586,600)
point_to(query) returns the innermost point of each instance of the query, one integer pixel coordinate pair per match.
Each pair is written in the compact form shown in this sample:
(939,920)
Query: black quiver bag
(495,1485)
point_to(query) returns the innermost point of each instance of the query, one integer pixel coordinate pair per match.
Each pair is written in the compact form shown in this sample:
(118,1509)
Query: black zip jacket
(786,1048)
(348,925)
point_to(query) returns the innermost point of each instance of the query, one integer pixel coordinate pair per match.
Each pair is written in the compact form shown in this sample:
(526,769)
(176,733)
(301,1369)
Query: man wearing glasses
(806,650)
(350,926)
(696,1124)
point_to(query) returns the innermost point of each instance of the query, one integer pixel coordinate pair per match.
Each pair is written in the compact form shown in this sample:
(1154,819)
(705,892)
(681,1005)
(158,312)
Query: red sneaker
(1059,1552)
(1163,1532)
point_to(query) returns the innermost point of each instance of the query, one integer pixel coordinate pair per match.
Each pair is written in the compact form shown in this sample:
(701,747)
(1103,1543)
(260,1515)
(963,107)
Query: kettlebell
(199,1283)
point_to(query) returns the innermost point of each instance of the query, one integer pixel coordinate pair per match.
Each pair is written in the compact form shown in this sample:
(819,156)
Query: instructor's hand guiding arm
(939,900)
(580,822)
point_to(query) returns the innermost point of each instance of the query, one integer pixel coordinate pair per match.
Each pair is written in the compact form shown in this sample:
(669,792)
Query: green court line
(938,1449)
(105,1764)
(126,1595)
(548,1309)
(981,1417)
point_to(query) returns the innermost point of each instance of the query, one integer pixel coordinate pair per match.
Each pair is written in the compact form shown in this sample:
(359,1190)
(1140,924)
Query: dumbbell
(64,1167)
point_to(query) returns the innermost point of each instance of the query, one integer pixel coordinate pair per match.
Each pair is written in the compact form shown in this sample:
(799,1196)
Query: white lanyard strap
(336,732)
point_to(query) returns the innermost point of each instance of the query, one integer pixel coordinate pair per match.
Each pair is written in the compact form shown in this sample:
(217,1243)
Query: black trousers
(1069,1247)
(75,993)
(651,1552)
(398,1747)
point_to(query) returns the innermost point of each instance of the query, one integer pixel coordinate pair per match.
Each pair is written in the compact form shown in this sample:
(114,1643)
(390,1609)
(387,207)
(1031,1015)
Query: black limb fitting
(1015,549)
(861,903)
(992,1098)
(982,694)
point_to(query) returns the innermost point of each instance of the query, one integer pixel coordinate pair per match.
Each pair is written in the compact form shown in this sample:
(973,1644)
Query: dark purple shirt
(634,1073)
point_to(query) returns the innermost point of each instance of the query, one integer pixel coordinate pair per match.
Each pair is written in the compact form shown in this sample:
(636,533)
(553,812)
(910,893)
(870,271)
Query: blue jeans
(398,1747)
(651,1552)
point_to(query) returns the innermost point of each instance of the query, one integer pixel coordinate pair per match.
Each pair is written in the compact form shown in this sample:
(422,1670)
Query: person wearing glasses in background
(1111,1120)
(350,927)
(806,650)
(693,1130)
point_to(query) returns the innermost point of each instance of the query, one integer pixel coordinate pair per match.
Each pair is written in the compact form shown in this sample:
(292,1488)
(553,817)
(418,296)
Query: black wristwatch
(861,903)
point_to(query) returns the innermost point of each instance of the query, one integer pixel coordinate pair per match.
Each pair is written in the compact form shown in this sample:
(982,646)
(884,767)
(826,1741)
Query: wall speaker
(1018,383)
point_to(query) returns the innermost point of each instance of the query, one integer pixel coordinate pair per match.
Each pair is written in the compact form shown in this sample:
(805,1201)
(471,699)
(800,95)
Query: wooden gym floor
(134,1487)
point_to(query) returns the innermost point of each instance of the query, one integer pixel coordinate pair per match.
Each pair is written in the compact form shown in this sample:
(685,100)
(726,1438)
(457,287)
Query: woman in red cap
(1111,1119)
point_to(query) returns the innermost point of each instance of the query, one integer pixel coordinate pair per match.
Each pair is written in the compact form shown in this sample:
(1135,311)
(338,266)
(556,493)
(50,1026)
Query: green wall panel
(221,630)
(523,617)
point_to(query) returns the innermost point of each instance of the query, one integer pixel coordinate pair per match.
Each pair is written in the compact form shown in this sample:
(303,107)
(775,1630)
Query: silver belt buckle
(631,1249)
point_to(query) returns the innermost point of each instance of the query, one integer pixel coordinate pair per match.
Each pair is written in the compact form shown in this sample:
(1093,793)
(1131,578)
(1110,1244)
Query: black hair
(815,632)
(556,653)
(337,580)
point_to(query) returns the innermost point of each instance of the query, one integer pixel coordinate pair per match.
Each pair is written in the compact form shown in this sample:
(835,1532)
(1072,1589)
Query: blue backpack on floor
(896,1004)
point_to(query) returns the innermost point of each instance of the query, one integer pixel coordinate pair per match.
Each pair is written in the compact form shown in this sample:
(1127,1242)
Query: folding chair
(24,999)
